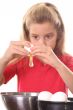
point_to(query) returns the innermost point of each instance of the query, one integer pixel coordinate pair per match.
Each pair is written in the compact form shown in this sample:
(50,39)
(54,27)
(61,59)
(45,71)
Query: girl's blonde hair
(45,12)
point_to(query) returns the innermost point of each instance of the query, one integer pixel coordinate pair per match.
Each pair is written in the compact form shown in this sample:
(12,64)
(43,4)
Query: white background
(11,14)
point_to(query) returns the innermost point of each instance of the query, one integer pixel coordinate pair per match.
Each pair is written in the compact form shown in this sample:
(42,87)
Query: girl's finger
(19,50)
(20,43)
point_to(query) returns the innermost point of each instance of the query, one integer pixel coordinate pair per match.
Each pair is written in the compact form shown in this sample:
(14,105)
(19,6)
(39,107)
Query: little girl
(43,42)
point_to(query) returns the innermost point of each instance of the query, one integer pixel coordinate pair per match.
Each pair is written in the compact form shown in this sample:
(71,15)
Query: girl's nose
(42,41)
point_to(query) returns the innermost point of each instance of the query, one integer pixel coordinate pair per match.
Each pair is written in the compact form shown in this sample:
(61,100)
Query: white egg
(44,96)
(59,96)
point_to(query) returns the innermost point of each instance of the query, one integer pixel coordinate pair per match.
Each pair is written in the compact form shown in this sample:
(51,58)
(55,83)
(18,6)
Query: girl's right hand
(16,48)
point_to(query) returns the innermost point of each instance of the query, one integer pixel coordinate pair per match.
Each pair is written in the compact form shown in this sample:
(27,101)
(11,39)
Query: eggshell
(44,96)
(59,96)
(28,49)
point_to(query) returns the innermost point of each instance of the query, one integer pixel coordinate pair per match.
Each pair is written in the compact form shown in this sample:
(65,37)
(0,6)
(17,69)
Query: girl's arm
(46,55)
(65,73)
(14,50)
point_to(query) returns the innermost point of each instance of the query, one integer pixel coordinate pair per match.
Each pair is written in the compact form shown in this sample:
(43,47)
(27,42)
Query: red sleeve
(9,72)
(70,63)
(68,60)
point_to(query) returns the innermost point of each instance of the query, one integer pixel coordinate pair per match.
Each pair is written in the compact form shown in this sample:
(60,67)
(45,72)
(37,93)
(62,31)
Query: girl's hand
(45,54)
(16,48)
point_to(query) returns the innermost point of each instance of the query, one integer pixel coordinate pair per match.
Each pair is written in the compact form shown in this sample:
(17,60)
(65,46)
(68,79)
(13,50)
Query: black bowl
(20,101)
(70,103)
(48,105)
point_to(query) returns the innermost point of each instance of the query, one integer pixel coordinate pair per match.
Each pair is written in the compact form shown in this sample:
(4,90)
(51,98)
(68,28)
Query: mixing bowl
(20,101)
(48,105)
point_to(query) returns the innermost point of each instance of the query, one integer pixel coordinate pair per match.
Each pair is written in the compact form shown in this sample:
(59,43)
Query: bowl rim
(56,102)
(19,93)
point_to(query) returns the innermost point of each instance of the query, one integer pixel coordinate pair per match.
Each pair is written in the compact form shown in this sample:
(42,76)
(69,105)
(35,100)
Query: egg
(59,96)
(27,48)
(44,96)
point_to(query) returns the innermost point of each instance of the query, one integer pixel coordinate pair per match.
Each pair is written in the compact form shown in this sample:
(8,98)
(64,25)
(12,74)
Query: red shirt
(38,78)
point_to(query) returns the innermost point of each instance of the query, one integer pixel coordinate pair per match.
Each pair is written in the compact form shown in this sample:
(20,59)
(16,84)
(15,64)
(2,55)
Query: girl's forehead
(45,27)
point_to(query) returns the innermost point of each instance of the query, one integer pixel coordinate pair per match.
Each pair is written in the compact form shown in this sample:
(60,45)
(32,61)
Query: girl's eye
(48,36)
(35,37)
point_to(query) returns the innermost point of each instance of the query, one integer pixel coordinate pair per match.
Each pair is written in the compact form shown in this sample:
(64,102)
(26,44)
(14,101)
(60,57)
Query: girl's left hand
(45,54)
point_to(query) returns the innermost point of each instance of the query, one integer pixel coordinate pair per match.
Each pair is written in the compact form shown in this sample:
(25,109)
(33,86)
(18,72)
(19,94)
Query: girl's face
(43,34)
